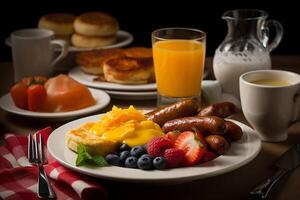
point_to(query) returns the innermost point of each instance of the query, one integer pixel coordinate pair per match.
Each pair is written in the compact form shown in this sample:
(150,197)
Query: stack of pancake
(89,30)
(125,66)
(60,23)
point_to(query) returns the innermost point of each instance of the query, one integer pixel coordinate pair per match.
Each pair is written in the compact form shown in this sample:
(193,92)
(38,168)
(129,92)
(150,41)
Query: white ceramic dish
(102,100)
(138,95)
(123,39)
(88,80)
(240,153)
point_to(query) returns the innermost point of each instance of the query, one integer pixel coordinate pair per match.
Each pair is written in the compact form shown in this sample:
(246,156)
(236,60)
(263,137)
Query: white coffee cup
(270,109)
(33,52)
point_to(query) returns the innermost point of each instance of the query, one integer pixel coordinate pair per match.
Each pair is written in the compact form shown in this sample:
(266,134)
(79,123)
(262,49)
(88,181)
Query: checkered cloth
(18,179)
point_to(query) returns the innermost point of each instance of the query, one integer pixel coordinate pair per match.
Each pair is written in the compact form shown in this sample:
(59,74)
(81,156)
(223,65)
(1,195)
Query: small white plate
(132,95)
(88,80)
(123,39)
(101,97)
(240,153)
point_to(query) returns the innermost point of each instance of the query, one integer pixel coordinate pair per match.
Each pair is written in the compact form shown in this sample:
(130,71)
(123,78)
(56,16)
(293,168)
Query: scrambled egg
(126,126)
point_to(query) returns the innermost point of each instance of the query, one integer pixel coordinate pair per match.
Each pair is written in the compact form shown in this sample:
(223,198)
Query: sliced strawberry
(172,136)
(193,148)
(157,146)
(174,157)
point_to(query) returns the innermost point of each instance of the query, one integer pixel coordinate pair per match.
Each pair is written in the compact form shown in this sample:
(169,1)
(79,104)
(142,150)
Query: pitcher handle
(64,50)
(278,34)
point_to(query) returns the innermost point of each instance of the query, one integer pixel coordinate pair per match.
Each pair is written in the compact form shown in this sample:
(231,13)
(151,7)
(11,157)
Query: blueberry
(137,151)
(145,162)
(125,147)
(146,155)
(124,155)
(159,163)
(113,159)
(131,162)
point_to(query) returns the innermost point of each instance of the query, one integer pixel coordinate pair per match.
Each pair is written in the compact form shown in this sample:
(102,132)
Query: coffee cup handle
(64,50)
(296,111)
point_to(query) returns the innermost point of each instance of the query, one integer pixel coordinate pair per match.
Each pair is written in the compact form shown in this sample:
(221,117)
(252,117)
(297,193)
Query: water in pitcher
(228,66)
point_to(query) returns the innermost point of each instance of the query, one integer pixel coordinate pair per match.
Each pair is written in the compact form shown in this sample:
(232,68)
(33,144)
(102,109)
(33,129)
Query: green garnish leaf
(84,158)
(99,161)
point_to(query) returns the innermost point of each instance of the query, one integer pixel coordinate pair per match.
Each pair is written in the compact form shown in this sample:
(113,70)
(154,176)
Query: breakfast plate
(102,100)
(124,38)
(240,153)
(136,95)
(88,80)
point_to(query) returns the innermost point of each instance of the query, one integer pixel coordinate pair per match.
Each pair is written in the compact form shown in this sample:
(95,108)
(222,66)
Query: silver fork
(36,156)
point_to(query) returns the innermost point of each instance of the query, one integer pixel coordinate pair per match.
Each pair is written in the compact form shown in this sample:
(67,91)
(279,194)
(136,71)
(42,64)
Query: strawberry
(172,136)
(157,146)
(199,136)
(174,157)
(193,148)
(208,156)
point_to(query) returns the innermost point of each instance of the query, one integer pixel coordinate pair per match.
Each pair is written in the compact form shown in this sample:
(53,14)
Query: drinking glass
(179,55)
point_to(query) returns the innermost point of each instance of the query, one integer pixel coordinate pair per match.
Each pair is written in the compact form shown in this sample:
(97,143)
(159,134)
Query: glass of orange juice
(179,55)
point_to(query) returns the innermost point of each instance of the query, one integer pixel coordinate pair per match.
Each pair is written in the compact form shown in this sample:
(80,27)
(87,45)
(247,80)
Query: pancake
(138,52)
(60,23)
(83,41)
(92,62)
(96,24)
(93,143)
(129,70)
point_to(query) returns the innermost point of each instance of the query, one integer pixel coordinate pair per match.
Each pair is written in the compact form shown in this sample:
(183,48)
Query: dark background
(142,17)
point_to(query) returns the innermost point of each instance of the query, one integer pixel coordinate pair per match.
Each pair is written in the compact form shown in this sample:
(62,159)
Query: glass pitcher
(246,47)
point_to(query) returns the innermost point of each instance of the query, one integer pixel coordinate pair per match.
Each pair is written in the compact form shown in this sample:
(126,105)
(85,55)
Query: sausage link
(187,107)
(222,110)
(233,131)
(207,125)
(218,143)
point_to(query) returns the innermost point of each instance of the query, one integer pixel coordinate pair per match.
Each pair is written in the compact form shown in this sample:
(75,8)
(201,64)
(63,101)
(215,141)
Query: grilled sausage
(187,107)
(207,125)
(217,143)
(233,131)
(222,110)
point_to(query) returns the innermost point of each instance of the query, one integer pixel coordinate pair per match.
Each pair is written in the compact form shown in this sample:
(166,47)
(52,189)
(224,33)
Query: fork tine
(42,152)
(36,149)
(30,149)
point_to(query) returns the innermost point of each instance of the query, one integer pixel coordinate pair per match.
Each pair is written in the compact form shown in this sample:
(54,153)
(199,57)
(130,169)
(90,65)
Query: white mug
(33,51)
(270,109)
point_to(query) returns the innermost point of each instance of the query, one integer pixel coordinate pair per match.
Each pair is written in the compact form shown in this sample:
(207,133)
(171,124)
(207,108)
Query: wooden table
(232,185)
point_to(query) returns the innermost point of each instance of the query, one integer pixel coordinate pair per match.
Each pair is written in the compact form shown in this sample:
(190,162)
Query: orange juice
(179,67)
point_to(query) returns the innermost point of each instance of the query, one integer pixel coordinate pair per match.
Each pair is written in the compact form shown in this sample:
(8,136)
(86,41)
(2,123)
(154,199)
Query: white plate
(123,39)
(240,153)
(132,95)
(102,100)
(88,80)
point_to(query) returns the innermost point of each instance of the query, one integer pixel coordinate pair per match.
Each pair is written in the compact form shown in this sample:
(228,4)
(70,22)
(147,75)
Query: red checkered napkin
(18,179)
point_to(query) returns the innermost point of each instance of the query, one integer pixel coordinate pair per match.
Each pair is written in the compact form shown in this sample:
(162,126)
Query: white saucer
(101,97)
(123,39)
(88,80)
(136,95)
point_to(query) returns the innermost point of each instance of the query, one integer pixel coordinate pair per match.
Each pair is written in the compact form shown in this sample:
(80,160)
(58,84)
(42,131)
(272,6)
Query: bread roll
(96,24)
(129,70)
(60,23)
(92,62)
(83,41)
(138,52)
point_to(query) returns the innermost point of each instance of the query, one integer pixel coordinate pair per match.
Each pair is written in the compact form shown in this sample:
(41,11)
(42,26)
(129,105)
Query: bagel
(92,62)
(127,70)
(96,24)
(60,23)
(83,41)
